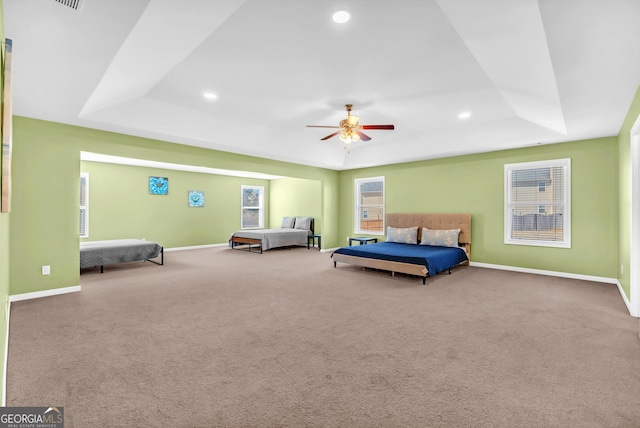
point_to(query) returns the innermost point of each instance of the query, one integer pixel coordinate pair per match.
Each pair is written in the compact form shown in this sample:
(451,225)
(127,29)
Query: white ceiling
(528,71)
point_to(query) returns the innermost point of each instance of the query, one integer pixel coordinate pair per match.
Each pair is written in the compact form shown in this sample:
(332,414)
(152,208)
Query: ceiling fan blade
(321,126)
(330,135)
(363,137)
(378,127)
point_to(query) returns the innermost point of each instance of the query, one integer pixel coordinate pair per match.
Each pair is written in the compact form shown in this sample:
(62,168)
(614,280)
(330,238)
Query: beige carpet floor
(224,338)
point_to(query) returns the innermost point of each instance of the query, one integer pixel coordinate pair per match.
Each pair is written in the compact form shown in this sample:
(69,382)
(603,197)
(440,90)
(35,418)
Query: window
(84,205)
(369,194)
(252,207)
(533,216)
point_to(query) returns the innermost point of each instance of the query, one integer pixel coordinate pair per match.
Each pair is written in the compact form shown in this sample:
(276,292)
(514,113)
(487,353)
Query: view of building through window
(537,203)
(369,205)
(252,207)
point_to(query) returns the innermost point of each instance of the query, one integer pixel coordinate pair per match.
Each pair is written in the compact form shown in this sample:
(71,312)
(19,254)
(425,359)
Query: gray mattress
(100,253)
(274,238)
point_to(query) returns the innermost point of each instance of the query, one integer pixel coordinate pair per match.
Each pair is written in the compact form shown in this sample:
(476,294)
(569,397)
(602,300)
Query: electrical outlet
(46,270)
(621,269)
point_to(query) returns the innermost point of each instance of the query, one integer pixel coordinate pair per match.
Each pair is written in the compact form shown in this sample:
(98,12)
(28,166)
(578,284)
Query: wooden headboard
(435,221)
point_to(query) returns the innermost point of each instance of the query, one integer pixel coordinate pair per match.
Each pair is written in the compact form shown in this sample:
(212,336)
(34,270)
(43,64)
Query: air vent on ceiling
(73,4)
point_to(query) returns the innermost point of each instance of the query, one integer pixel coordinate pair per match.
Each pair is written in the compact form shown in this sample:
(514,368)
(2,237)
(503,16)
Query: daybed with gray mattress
(293,231)
(101,253)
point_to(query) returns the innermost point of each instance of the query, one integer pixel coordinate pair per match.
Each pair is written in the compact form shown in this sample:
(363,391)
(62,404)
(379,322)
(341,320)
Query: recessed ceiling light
(210,95)
(341,16)
(464,115)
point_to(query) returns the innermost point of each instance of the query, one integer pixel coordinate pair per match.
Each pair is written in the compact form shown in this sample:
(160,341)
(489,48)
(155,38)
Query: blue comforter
(435,259)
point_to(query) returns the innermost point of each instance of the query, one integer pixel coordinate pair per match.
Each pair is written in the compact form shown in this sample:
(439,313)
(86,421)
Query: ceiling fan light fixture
(349,137)
(341,16)
(349,131)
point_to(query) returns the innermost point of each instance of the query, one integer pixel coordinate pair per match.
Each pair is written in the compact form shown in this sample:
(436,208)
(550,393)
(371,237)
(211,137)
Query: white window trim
(260,208)
(85,175)
(356,223)
(566,218)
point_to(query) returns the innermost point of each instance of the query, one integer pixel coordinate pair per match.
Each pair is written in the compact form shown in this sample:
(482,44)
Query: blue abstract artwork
(196,198)
(158,185)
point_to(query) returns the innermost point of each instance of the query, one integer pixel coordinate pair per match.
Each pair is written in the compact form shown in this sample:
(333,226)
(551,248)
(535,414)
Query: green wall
(120,205)
(45,215)
(624,178)
(44,227)
(475,184)
(296,197)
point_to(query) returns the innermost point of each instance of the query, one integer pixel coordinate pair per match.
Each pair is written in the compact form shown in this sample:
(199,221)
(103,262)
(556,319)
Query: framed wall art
(196,198)
(158,185)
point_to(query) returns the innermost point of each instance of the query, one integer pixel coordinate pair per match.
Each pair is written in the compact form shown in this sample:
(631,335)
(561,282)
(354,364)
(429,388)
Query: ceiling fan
(349,129)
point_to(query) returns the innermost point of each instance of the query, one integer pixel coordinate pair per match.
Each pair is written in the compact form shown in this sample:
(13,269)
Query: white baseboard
(195,247)
(547,272)
(44,293)
(625,300)
(562,275)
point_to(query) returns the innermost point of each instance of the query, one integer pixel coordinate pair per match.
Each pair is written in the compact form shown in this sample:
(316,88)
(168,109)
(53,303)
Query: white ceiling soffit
(528,71)
(119,160)
(514,53)
(167,32)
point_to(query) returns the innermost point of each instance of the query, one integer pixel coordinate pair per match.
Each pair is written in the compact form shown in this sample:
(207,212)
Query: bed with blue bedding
(416,257)
(434,258)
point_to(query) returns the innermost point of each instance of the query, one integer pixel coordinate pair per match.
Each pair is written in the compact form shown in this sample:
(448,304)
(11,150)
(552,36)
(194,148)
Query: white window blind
(84,205)
(369,205)
(537,203)
(252,207)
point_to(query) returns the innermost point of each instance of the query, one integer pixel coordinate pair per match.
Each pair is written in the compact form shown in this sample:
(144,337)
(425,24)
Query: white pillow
(402,235)
(303,223)
(440,238)
(287,222)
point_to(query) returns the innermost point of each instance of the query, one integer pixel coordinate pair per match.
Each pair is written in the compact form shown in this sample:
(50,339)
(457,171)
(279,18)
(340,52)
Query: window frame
(84,176)
(260,208)
(357,206)
(566,203)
